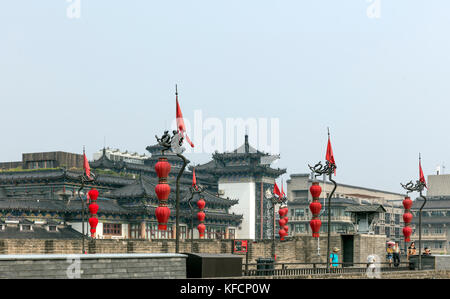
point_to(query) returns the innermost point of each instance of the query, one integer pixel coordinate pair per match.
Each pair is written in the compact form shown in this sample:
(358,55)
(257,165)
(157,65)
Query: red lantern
(315,207)
(315,190)
(286,219)
(315,225)
(282,234)
(162,168)
(93,230)
(201,204)
(201,216)
(93,222)
(282,212)
(93,194)
(93,208)
(282,222)
(201,229)
(407,203)
(407,217)
(407,232)
(162,191)
(162,215)
(286,229)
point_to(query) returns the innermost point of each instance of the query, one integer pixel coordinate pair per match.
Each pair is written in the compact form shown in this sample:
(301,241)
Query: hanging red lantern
(201,229)
(315,225)
(162,168)
(407,203)
(162,191)
(315,207)
(93,221)
(162,215)
(92,197)
(93,230)
(286,219)
(282,234)
(201,216)
(282,212)
(407,217)
(201,204)
(407,233)
(93,208)
(93,194)
(315,190)
(282,222)
(286,229)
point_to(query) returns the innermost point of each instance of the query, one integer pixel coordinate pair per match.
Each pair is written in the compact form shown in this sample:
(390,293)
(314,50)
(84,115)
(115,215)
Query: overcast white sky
(380,84)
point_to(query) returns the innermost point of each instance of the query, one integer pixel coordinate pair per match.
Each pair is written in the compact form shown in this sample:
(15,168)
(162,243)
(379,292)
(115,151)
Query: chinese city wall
(101,266)
(301,249)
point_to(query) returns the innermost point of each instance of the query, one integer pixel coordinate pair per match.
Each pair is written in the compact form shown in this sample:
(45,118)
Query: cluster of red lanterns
(315,208)
(201,217)
(162,191)
(283,232)
(93,209)
(407,218)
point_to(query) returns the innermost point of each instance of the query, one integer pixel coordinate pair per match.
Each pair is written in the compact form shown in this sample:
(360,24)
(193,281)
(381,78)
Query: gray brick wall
(158,266)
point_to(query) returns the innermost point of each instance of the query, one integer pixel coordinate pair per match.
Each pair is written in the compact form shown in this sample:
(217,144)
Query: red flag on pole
(86,167)
(329,156)
(181,127)
(194,180)
(282,191)
(421,176)
(276,190)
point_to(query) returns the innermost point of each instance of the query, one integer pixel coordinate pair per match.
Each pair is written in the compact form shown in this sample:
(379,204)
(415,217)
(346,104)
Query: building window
(299,212)
(26,227)
(52,228)
(113,229)
(387,218)
(135,231)
(183,232)
(387,231)
(397,219)
(152,231)
(231,233)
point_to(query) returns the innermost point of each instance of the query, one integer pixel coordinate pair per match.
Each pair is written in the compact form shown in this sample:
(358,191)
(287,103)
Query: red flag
(86,167)
(180,123)
(329,156)
(421,176)
(276,190)
(282,191)
(194,180)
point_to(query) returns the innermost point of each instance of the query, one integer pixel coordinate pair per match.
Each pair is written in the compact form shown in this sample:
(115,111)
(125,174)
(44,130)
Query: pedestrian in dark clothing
(396,254)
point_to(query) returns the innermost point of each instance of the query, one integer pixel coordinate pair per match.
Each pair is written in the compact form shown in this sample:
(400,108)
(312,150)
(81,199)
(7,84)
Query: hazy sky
(380,84)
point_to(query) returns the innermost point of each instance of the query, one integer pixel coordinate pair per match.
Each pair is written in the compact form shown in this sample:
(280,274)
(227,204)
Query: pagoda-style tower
(245,174)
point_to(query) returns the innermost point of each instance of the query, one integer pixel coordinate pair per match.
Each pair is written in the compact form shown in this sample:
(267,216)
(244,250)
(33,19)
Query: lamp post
(197,189)
(274,200)
(174,143)
(411,187)
(319,170)
(84,178)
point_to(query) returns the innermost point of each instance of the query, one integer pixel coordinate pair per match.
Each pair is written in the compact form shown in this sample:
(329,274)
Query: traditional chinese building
(127,201)
(245,174)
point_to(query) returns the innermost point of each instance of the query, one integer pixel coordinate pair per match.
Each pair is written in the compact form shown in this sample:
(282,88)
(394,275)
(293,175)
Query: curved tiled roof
(21,204)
